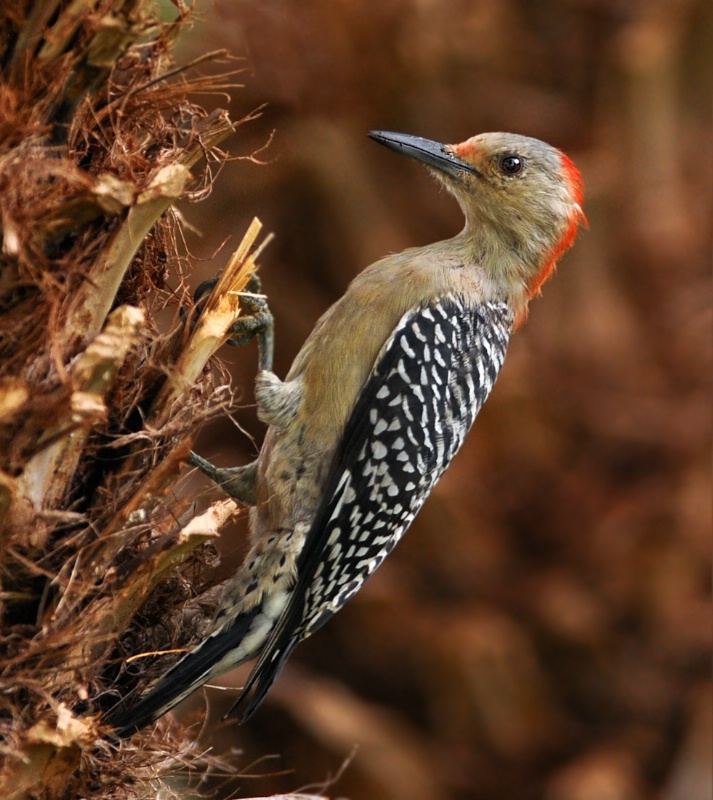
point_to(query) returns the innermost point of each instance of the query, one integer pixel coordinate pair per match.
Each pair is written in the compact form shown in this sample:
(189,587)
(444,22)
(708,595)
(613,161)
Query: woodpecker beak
(433,154)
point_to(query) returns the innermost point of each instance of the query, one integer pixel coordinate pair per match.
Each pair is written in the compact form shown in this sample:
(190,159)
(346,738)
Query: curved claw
(205,287)
(194,311)
(236,482)
(257,322)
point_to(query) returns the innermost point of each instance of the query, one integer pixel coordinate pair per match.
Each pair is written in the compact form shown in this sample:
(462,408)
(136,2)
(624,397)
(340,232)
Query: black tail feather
(261,679)
(184,677)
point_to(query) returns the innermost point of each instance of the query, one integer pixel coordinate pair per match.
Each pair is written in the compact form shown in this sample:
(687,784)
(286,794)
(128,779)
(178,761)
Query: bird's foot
(236,482)
(257,322)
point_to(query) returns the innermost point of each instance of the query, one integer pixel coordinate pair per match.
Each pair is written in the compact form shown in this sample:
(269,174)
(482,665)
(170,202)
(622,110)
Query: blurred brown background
(543,631)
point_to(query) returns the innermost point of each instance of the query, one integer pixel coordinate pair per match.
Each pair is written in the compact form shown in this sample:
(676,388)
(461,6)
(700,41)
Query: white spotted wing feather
(428,384)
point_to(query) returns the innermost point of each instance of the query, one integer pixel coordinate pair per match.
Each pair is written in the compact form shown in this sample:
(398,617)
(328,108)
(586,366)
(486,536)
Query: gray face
(502,177)
(523,189)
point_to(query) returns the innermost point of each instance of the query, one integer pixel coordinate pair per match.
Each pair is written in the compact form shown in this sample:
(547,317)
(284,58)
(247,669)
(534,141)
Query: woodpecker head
(522,200)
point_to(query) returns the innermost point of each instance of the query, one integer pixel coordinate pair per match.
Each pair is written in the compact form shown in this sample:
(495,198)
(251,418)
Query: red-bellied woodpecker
(376,405)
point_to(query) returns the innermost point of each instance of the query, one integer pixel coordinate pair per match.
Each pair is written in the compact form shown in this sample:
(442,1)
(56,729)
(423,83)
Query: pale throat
(508,265)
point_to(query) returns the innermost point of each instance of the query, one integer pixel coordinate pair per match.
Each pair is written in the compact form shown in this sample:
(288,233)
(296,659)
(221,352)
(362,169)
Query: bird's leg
(239,482)
(236,482)
(257,323)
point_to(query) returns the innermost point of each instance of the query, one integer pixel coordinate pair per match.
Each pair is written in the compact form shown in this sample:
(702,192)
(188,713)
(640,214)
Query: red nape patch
(573,178)
(561,247)
(577,218)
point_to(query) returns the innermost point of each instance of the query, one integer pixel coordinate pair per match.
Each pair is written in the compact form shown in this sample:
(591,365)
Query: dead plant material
(98,406)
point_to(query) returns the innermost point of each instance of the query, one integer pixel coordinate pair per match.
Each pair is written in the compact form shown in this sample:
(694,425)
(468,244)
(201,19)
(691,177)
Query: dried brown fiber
(98,401)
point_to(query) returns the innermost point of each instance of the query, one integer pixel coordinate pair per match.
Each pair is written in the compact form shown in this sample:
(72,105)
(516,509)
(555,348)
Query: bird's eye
(510,164)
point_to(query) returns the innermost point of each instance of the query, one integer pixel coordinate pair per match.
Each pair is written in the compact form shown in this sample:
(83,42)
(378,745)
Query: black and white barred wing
(432,378)
(429,382)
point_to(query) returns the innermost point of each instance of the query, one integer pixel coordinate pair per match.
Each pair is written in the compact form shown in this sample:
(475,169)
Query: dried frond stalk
(213,327)
(98,139)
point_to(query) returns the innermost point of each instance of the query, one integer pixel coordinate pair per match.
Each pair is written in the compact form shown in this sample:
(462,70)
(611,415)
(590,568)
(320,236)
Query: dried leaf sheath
(98,405)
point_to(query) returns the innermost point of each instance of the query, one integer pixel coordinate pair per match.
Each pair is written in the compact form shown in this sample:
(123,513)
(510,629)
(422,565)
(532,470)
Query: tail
(233,643)
(261,679)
